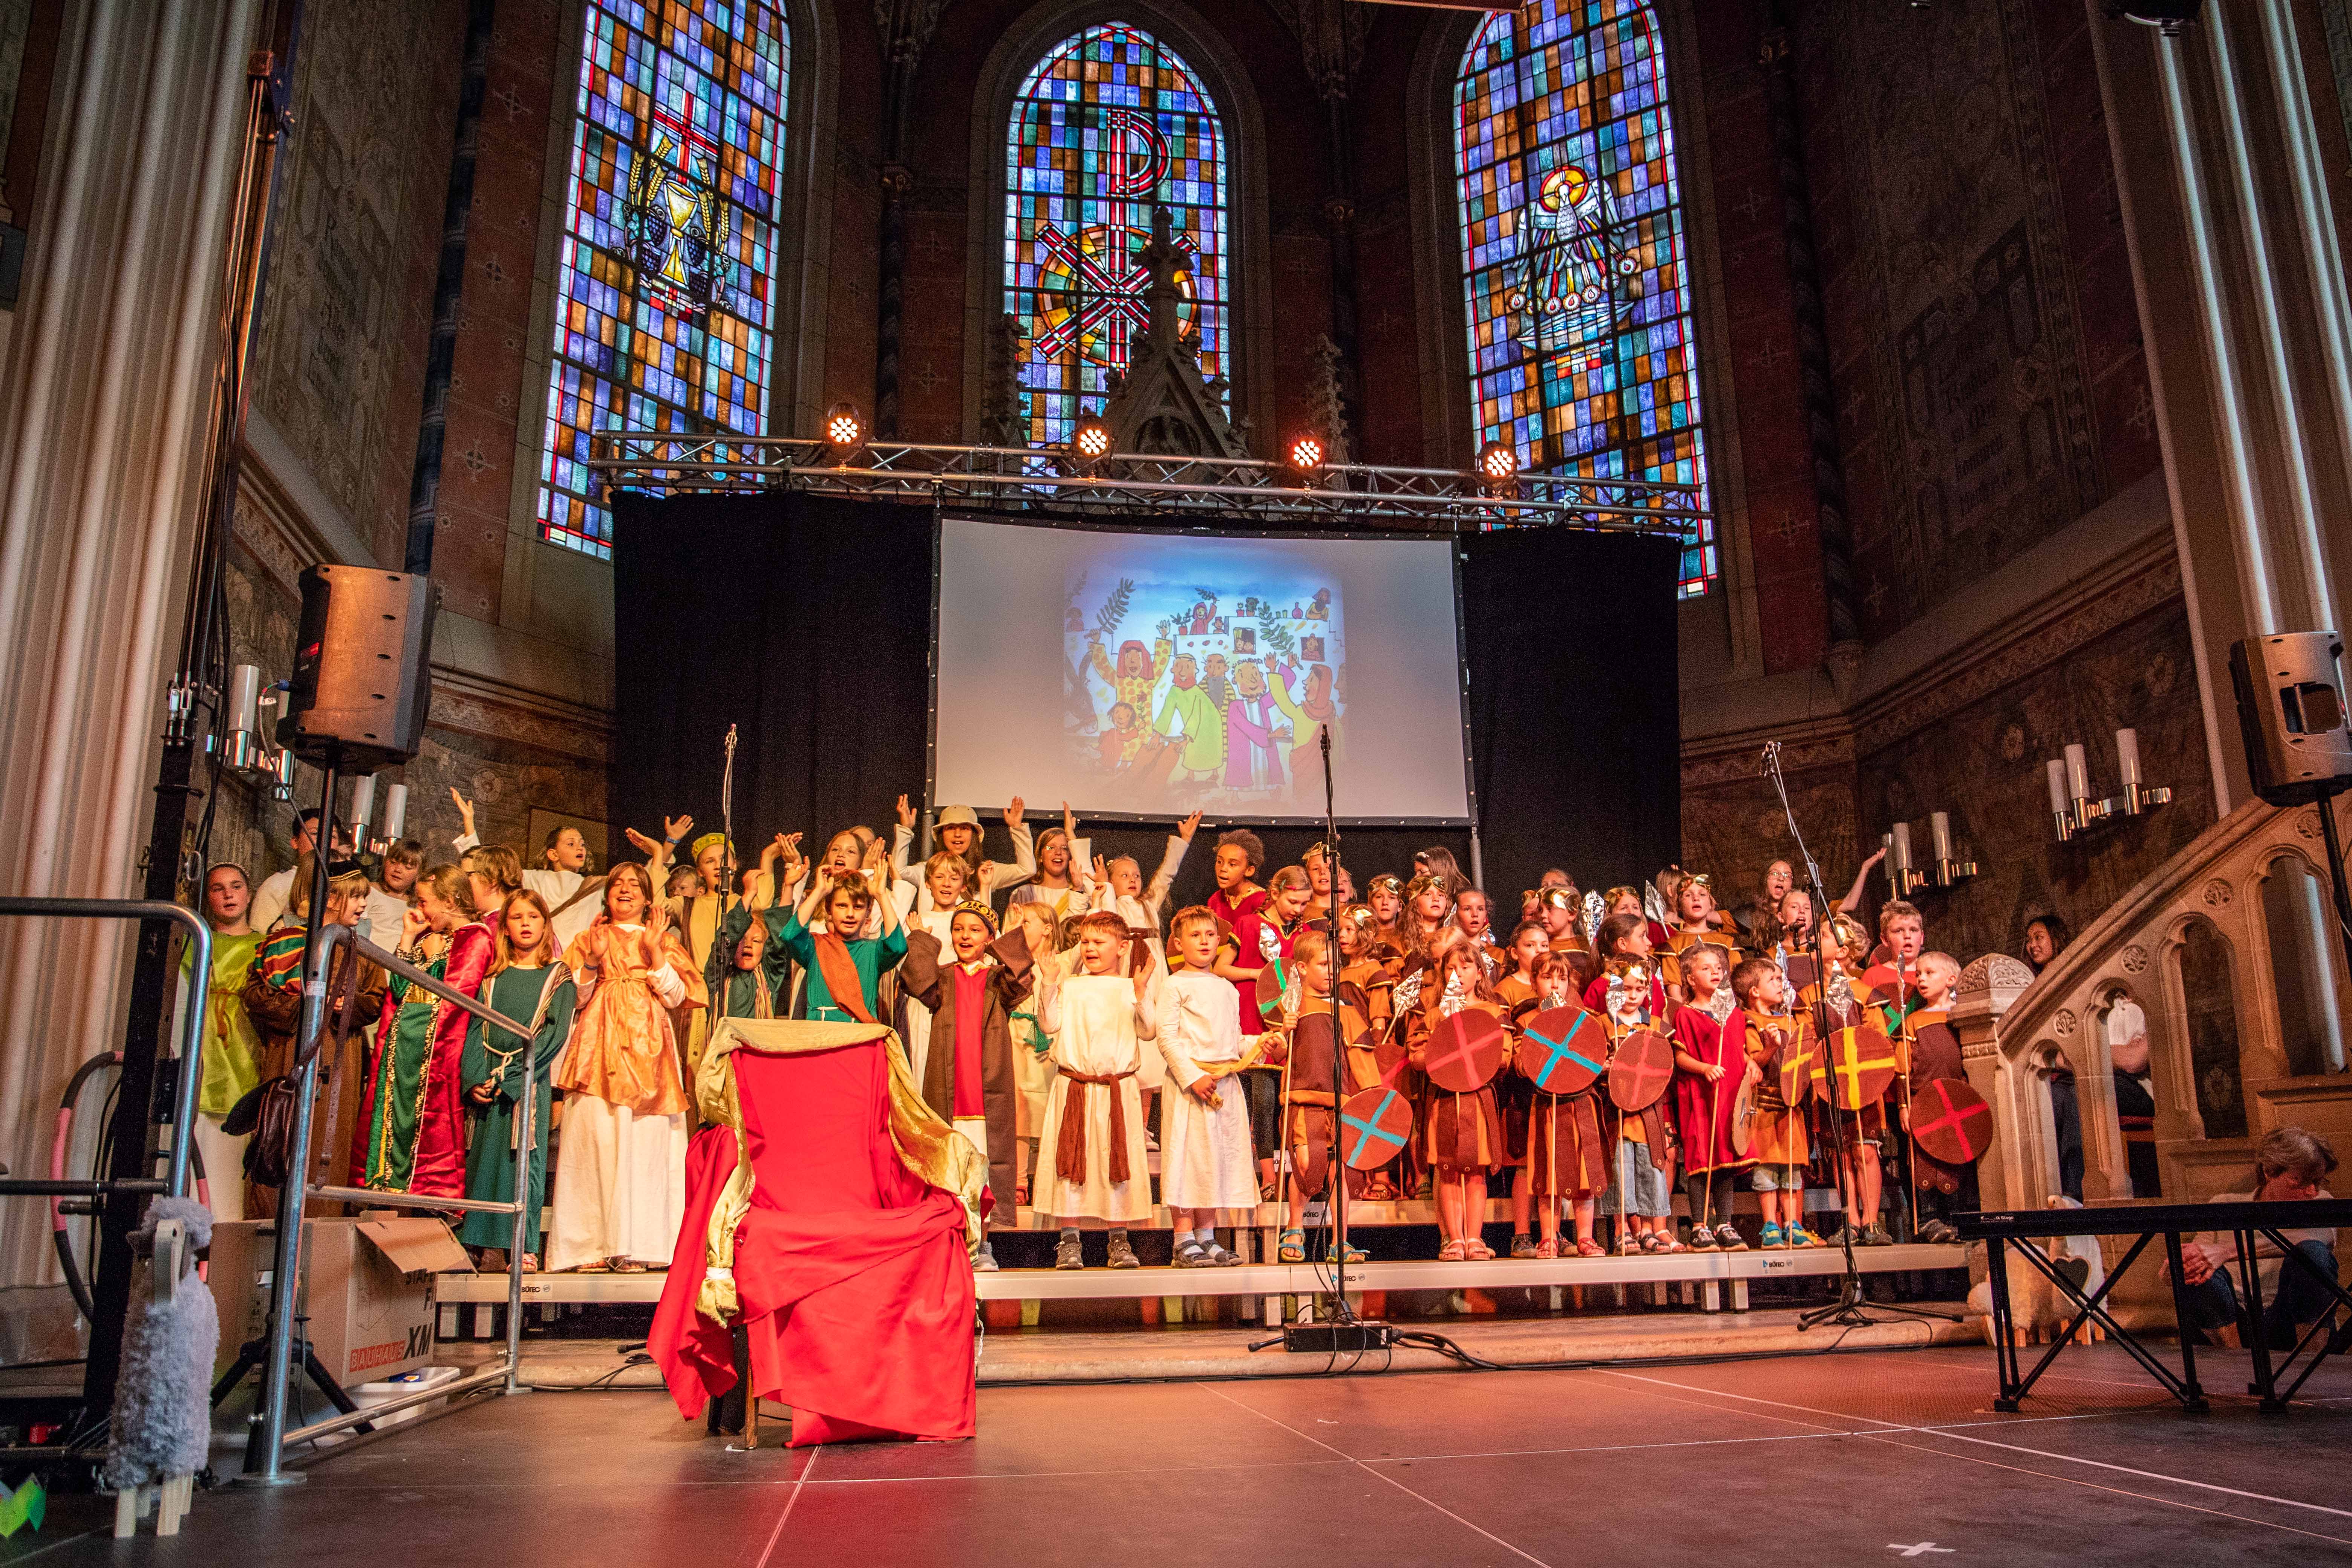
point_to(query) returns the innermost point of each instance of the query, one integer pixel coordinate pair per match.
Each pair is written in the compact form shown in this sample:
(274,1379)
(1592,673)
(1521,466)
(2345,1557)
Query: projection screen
(1144,675)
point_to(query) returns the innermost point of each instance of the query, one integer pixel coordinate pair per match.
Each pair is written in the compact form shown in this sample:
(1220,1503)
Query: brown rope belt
(1070,1146)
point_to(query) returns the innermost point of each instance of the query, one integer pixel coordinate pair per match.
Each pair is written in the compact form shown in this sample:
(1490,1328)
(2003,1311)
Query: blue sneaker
(1772,1237)
(1800,1236)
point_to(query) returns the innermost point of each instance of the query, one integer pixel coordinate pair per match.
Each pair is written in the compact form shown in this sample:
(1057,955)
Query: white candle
(2128,758)
(245,697)
(2057,787)
(396,810)
(2078,774)
(1940,824)
(362,807)
(1902,846)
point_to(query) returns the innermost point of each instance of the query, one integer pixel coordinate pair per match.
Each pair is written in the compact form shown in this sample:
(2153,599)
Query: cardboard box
(368,1289)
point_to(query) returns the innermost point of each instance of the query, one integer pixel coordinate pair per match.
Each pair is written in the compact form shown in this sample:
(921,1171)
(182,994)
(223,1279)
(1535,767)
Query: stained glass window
(665,308)
(1111,124)
(1577,281)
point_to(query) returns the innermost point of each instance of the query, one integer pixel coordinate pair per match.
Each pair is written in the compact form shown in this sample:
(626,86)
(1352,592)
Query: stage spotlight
(1498,467)
(845,431)
(2168,16)
(1305,454)
(1090,442)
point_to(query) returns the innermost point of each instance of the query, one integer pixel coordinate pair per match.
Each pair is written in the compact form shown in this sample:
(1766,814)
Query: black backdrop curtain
(806,622)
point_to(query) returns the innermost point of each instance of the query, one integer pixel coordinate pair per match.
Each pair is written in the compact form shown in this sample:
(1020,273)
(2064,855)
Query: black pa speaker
(2291,706)
(362,675)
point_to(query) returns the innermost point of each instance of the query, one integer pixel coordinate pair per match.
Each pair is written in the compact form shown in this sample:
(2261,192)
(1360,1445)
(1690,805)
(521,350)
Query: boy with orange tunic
(1564,1157)
(1836,1003)
(1628,996)
(1763,1032)
(1322,1072)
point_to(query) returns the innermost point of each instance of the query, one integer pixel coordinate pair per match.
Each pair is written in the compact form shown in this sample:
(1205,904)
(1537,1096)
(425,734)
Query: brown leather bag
(268,1109)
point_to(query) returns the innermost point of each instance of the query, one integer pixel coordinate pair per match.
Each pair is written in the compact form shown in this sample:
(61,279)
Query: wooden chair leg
(126,1513)
(751,1419)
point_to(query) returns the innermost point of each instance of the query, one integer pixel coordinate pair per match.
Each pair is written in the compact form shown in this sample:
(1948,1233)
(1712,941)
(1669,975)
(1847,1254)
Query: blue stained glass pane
(1573,262)
(680,106)
(1109,124)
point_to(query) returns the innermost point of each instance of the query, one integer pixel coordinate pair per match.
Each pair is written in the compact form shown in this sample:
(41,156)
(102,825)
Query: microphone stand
(1847,1310)
(1337,1199)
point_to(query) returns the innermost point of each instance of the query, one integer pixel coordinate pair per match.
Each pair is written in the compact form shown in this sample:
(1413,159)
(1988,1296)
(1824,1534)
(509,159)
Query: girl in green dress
(232,1046)
(527,981)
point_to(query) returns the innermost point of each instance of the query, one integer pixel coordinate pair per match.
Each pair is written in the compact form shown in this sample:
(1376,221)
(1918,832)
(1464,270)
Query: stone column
(107,394)
(2230,213)
(2018,1171)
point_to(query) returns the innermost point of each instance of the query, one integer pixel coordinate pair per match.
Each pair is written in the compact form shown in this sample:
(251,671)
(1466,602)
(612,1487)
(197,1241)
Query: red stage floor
(1863,1457)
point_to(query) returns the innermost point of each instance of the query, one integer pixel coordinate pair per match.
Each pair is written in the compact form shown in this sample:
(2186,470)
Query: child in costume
(970,991)
(1935,1053)
(1090,1159)
(1321,1072)
(842,975)
(1709,1070)
(1628,996)
(1771,1040)
(1205,1161)
(1836,1003)
(1464,1137)
(1261,934)
(528,982)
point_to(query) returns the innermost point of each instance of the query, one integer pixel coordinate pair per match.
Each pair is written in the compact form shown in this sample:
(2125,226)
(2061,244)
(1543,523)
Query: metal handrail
(191,1037)
(265,1465)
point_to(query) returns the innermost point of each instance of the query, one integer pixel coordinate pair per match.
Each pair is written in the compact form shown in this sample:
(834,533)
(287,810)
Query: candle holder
(2073,809)
(1905,878)
(245,747)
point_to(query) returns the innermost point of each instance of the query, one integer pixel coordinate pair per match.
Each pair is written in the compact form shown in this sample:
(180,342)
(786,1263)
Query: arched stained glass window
(1110,125)
(665,308)
(1577,281)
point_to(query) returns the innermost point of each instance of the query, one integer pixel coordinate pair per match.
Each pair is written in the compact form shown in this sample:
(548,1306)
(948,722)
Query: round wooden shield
(1375,1124)
(1951,1121)
(1562,1049)
(1640,1071)
(1465,1051)
(1860,1066)
(1272,981)
(1796,1069)
(1743,1117)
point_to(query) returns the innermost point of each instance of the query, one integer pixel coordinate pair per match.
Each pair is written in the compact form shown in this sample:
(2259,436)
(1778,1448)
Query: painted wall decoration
(1110,125)
(1576,279)
(1957,277)
(665,285)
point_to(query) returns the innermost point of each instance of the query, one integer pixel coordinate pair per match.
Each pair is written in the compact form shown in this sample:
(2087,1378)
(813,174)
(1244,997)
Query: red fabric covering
(855,1287)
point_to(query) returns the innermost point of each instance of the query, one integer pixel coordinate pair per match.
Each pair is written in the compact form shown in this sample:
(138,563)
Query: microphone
(1324,732)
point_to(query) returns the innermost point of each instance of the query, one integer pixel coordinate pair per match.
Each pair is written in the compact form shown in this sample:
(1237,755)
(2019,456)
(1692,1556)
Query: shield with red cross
(1375,1124)
(1640,1071)
(1951,1121)
(1562,1049)
(1858,1067)
(1465,1051)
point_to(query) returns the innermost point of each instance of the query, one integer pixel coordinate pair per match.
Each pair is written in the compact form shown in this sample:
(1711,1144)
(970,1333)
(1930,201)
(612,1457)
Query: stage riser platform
(1271,1292)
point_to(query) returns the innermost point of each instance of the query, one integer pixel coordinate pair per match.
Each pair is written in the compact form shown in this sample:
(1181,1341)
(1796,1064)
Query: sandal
(1546,1249)
(1294,1246)
(1451,1252)
(1652,1243)
(1588,1248)
(1477,1251)
(1355,1254)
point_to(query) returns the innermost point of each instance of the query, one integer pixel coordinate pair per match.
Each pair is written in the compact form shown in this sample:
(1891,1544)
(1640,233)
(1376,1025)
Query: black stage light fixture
(1090,441)
(845,431)
(2168,16)
(1305,454)
(1499,467)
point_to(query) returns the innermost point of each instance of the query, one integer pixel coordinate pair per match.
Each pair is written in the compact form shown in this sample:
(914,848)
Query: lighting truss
(1047,483)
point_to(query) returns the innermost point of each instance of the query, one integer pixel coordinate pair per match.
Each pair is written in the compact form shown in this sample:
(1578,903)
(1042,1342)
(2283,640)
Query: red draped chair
(852,1272)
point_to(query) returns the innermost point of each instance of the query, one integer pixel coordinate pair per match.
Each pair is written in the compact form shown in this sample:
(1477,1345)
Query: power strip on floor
(1336,1339)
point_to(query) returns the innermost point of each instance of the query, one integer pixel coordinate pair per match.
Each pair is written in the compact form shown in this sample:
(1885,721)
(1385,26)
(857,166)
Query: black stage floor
(1875,1457)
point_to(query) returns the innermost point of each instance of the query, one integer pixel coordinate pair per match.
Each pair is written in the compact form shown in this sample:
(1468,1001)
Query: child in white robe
(1205,1160)
(1091,1153)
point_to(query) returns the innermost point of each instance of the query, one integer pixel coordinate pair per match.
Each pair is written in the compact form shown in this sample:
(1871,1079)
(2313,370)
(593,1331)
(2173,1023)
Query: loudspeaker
(2291,706)
(362,677)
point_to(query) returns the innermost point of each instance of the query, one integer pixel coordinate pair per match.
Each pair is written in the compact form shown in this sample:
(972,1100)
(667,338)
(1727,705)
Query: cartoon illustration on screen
(1222,710)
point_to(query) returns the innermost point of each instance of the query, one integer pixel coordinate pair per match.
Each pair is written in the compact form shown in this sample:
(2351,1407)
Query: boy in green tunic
(845,974)
(528,982)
